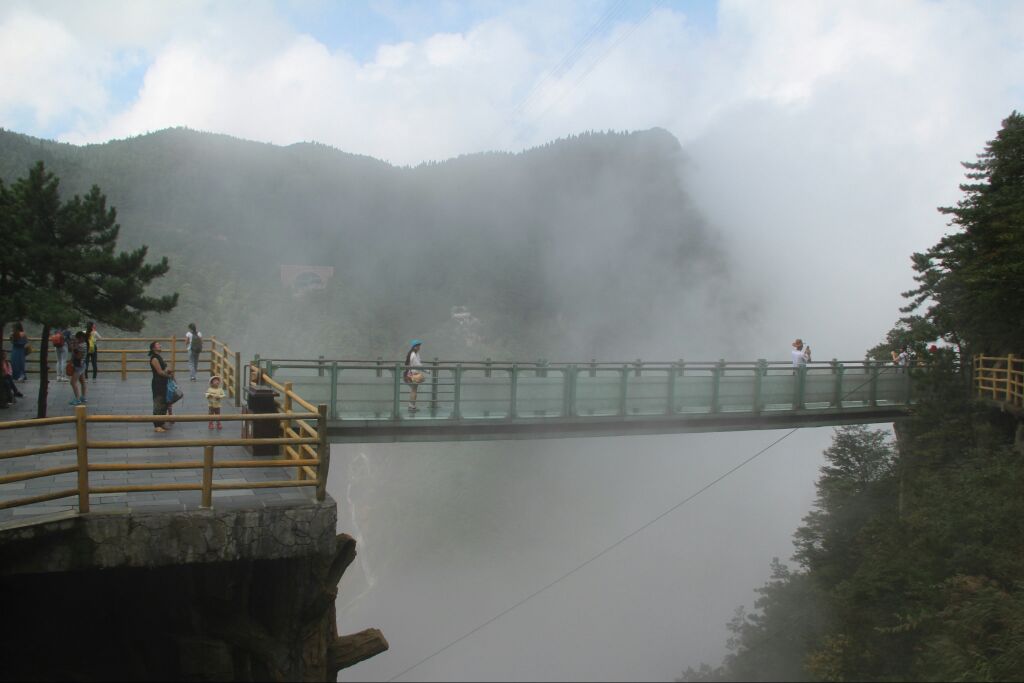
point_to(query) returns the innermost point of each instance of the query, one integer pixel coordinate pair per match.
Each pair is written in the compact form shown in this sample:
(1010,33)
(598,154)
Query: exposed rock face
(189,596)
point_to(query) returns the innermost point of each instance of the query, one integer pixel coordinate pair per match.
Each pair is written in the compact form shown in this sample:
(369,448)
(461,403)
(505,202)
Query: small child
(214,394)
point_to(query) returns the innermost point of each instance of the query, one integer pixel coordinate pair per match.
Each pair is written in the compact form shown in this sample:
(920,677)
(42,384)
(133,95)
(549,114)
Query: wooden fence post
(286,406)
(1009,379)
(323,453)
(207,477)
(82,439)
(124,366)
(238,378)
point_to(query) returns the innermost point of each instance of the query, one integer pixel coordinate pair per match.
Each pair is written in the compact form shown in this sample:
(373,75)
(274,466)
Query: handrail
(1000,378)
(303,446)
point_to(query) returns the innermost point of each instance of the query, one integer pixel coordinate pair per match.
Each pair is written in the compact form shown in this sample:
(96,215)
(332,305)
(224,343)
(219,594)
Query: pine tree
(74,271)
(972,279)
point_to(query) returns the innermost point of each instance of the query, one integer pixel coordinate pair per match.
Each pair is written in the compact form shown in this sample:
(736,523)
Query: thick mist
(588,247)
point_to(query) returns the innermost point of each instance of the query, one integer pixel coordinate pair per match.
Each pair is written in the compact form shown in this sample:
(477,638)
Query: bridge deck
(111,396)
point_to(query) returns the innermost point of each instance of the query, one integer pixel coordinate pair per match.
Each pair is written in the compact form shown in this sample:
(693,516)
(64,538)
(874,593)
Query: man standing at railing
(194,344)
(801,354)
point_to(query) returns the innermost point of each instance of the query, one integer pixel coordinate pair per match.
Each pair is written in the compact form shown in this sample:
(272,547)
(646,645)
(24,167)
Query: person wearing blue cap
(413,375)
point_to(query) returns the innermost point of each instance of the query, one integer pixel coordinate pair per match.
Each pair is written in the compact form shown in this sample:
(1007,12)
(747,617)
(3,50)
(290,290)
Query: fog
(452,535)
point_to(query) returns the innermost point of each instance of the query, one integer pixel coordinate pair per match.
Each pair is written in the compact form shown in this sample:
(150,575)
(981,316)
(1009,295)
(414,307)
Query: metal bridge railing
(375,390)
(1000,378)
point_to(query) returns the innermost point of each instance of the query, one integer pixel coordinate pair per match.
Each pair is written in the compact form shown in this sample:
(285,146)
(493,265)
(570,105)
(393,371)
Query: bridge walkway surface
(109,395)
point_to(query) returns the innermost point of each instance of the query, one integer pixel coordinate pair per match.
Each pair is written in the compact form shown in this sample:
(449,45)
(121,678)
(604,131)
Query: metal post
(716,386)
(874,369)
(487,370)
(82,439)
(799,381)
(397,391)
(458,391)
(567,387)
(320,365)
(623,389)
(759,372)
(670,408)
(323,452)
(174,352)
(334,390)
(433,388)
(380,362)
(513,389)
(639,364)
(837,391)
(207,477)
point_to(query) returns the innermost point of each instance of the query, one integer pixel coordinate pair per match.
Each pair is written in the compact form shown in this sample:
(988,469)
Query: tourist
(93,337)
(159,384)
(19,349)
(10,389)
(59,342)
(214,394)
(79,365)
(194,344)
(413,375)
(801,354)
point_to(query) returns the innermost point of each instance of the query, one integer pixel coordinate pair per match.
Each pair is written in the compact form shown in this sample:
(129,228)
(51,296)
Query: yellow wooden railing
(1000,378)
(127,355)
(303,445)
(311,462)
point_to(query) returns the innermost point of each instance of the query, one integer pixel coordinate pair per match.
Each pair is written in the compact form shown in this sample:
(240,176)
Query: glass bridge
(370,401)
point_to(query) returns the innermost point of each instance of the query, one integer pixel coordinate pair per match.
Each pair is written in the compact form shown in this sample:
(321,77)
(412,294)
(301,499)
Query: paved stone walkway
(110,396)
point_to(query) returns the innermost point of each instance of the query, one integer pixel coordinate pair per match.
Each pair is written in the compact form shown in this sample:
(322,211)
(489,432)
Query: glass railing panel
(856,390)
(484,396)
(736,390)
(892,385)
(777,388)
(539,396)
(648,393)
(819,388)
(363,395)
(694,391)
(598,394)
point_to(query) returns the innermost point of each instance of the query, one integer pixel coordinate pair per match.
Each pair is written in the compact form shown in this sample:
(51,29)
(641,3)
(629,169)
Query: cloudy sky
(821,133)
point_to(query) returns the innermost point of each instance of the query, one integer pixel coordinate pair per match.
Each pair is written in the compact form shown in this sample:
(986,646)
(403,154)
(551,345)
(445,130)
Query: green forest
(911,564)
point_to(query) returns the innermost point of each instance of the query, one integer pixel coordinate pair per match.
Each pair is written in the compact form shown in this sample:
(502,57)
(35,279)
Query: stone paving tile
(108,395)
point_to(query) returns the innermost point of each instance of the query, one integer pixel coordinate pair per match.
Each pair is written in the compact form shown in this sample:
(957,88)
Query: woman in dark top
(19,340)
(159,384)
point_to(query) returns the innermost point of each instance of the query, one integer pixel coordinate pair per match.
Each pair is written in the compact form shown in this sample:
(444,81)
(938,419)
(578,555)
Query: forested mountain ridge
(584,246)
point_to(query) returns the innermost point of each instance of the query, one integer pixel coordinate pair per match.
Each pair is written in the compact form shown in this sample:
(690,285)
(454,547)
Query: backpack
(197,343)
(57,339)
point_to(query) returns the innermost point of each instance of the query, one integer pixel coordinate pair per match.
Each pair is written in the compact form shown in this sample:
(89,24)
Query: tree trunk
(44,378)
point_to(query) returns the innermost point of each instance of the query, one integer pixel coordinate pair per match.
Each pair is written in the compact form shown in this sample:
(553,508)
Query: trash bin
(260,400)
